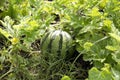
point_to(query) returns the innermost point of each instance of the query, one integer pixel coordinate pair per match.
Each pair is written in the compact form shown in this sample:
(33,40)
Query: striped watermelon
(57,44)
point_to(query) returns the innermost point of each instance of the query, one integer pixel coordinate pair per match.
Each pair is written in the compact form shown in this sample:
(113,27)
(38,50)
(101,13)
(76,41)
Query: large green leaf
(116,71)
(103,74)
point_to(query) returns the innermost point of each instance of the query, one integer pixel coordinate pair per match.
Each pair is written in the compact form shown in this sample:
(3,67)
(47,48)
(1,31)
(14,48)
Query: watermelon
(57,44)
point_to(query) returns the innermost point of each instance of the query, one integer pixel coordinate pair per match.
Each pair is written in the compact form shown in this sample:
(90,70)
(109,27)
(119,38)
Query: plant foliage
(93,24)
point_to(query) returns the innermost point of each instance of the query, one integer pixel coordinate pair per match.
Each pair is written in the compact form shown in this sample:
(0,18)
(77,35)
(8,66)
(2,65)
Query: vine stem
(76,60)
(106,37)
(84,51)
(8,72)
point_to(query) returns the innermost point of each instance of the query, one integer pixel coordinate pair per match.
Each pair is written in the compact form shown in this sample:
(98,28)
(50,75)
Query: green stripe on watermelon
(60,44)
(44,39)
(51,40)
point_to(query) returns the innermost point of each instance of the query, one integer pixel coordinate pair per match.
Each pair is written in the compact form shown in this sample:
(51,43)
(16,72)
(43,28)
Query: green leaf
(103,74)
(116,71)
(116,56)
(116,74)
(2,3)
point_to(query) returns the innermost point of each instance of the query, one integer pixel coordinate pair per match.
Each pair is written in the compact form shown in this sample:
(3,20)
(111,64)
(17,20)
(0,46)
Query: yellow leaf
(115,36)
(107,22)
(33,23)
(14,40)
(5,33)
(88,45)
(103,3)
(111,48)
(65,78)
(95,12)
